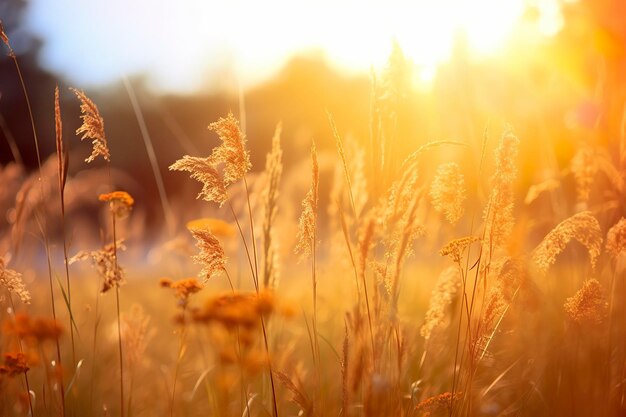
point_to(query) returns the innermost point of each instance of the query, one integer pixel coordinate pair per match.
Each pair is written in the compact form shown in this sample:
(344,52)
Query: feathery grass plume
(92,127)
(105,262)
(12,281)
(447,285)
(203,170)
(584,168)
(616,239)
(136,334)
(448,192)
(5,39)
(582,227)
(183,288)
(273,172)
(588,306)
(498,214)
(232,152)
(455,248)
(308,218)
(120,202)
(211,257)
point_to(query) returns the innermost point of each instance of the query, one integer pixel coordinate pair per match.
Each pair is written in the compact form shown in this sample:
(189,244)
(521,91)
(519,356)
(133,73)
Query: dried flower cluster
(211,257)
(455,248)
(92,127)
(582,227)
(616,239)
(308,218)
(120,202)
(12,281)
(15,363)
(588,306)
(448,192)
(183,288)
(237,309)
(446,288)
(105,262)
(36,329)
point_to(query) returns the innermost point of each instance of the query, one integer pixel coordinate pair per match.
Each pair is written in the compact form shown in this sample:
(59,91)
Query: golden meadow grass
(418,291)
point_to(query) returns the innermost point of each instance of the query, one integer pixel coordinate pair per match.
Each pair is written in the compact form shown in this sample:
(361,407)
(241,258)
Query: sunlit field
(415,229)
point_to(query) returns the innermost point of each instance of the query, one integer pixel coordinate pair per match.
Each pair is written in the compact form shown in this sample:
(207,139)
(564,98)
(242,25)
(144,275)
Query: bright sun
(181,48)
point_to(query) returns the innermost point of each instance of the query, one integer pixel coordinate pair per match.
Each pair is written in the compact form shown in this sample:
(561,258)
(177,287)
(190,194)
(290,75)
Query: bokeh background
(552,69)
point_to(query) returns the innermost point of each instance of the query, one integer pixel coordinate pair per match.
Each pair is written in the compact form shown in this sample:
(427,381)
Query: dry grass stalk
(12,281)
(448,192)
(232,152)
(120,202)
(308,218)
(588,306)
(436,404)
(498,214)
(92,127)
(211,257)
(273,172)
(203,170)
(582,227)
(444,292)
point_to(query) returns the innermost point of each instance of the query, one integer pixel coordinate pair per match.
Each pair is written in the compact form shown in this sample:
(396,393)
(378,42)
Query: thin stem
(256,264)
(117,302)
(178,360)
(245,245)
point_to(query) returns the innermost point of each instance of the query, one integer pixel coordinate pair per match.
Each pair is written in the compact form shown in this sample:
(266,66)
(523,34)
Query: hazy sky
(185,44)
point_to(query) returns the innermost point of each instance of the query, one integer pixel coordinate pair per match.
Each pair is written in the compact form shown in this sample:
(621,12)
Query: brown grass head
(308,218)
(203,170)
(211,256)
(92,127)
(582,227)
(588,306)
(232,152)
(5,39)
(448,192)
(62,154)
(12,281)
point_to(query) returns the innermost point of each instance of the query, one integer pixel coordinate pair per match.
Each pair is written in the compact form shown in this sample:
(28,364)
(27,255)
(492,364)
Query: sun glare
(196,42)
